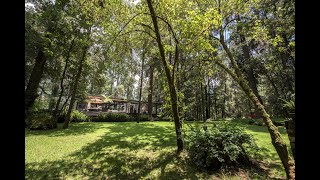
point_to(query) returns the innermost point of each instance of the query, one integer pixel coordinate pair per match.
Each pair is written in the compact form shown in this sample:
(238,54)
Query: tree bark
(54,93)
(207,101)
(141,79)
(223,112)
(54,116)
(34,80)
(170,80)
(150,91)
(249,72)
(63,105)
(74,88)
(276,139)
(202,104)
(40,61)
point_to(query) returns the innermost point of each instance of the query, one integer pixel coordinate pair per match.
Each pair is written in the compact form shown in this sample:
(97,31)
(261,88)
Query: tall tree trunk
(63,105)
(276,139)
(170,80)
(249,72)
(224,101)
(207,101)
(197,108)
(54,93)
(34,80)
(141,79)
(202,103)
(278,103)
(285,56)
(150,91)
(40,61)
(54,116)
(74,88)
(215,103)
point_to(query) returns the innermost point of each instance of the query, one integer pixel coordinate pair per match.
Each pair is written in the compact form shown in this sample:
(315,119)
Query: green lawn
(128,150)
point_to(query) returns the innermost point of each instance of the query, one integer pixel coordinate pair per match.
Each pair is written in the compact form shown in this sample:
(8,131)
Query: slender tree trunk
(279,105)
(208,104)
(63,105)
(224,101)
(285,56)
(150,91)
(197,108)
(141,79)
(202,104)
(55,90)
(250,72)
(61,81)
(215,103)
(74,88)
(170,80)
(276,139)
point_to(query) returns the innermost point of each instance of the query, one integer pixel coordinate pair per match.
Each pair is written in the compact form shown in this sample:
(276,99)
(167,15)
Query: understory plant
(211,147)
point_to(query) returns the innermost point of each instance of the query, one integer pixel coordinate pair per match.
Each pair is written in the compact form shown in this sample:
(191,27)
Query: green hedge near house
(119,117)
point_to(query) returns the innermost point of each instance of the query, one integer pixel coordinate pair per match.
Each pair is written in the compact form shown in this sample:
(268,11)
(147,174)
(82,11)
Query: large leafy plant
(211,147)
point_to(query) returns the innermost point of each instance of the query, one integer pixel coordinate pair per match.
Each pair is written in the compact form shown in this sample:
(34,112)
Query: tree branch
(145,25)
(170,27)
(138,30)
(122,30)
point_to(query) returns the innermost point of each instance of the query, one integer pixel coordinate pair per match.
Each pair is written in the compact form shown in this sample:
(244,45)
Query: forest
(200,82)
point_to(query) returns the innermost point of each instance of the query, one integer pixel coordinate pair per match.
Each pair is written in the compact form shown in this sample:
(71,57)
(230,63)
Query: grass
(128,150)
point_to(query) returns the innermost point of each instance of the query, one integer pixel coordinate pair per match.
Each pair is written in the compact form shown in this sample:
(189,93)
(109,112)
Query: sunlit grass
(123,150)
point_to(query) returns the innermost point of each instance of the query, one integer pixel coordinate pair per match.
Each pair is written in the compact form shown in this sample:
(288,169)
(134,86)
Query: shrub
(142,117)
(251,121)
(112,117)
(42,120)
(77,116)
(221,145)
(259,122)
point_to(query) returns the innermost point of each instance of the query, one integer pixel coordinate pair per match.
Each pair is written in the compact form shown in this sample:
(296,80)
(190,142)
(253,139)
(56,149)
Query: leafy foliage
(111,117)
(77,116)
(41,121)
(290,104)
(221,145)
(119,117)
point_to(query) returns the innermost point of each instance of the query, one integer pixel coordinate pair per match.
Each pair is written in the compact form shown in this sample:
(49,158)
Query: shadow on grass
(126,151)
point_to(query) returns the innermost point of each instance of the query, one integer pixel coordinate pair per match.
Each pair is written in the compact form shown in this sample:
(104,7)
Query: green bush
(143,117)
(120,117)
(259,122)
(42,120)
(112,117)
(221,145)
(251,121)
(77,116)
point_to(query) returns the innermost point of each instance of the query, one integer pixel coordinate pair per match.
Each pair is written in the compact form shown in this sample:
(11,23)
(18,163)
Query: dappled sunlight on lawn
(123,150)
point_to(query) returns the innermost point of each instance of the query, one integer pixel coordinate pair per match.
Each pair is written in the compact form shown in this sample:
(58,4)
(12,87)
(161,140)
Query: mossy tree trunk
(75,87)
(276,139)
(170,79)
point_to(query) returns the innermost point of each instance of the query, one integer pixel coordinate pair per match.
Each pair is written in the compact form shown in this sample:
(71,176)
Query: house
(96,104)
